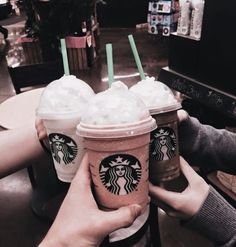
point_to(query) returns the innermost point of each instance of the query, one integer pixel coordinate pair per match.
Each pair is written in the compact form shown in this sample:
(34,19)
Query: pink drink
(118,147)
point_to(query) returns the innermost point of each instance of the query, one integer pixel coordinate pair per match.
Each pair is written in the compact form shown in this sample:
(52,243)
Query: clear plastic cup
(61,106)
(118,158)
(164,163)
(116,130)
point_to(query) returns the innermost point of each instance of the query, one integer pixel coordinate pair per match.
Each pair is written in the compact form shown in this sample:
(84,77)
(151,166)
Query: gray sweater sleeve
(216,220)
(211,149)
(207,147)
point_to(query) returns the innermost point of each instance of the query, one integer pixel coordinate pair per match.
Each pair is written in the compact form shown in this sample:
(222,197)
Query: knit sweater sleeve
(207,147)
(216,220)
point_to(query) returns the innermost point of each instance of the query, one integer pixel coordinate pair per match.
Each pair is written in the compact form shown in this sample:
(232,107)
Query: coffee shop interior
(197,67)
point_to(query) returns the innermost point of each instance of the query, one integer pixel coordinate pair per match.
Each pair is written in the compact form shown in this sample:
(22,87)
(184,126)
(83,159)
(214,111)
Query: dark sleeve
(207,147)
(216,220)
(45,145)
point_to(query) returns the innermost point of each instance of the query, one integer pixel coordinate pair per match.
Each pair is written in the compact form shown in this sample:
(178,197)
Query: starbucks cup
(66,147)
(164,162)
(61,106)
(117,143)
(164,149)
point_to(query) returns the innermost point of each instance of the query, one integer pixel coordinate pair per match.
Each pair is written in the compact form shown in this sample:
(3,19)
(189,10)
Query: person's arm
(17,147)
(79,222)
(216,220)
(200,207)
(204,146)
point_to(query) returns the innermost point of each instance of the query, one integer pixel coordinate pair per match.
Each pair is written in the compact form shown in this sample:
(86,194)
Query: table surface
(19,110)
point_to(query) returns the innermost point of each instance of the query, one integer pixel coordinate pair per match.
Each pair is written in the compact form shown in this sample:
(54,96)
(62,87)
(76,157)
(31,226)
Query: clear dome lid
(63,97)
(115,112)
(156,95)
(117,105)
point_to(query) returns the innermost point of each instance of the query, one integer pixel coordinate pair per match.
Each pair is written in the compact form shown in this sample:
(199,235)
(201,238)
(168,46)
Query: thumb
(123,217)
(182,115)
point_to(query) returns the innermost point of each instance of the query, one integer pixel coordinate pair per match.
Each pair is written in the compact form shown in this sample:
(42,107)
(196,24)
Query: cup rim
(117,130)
(164,109)
(58,115)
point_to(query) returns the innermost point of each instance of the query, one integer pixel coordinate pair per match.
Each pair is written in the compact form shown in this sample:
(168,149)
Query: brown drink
(164,150)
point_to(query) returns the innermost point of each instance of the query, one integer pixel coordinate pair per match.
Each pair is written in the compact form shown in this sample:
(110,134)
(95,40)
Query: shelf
(223,102)
(185,36)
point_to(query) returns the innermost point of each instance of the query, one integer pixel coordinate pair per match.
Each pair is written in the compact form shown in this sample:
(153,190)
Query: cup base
(131,234)
(66,178)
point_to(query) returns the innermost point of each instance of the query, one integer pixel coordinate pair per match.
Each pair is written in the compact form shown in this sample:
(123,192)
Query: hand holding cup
(79,211)
(187,203)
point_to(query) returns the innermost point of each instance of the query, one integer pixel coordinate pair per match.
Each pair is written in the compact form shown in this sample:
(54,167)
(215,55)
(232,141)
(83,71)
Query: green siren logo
(163,144)
(63,148)
(120,173)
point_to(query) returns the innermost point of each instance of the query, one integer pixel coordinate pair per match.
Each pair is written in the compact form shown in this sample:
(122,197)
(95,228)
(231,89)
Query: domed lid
(64,97)
(115,112)
(156,95)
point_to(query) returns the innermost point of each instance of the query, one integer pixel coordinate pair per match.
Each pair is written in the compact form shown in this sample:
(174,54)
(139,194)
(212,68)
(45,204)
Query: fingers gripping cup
(116,129)
(164,150)
(61,106)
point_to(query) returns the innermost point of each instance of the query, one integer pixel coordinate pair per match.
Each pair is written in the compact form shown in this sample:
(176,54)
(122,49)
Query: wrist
(52,242)
(200,198)
(215,211)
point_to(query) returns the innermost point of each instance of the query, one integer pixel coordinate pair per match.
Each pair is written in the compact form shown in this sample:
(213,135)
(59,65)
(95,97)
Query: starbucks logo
(63,148)
(120,173)
(163,145)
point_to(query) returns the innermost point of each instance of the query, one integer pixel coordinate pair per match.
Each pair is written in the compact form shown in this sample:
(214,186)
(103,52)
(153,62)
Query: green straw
(110,64)
(136,56)
(64,57)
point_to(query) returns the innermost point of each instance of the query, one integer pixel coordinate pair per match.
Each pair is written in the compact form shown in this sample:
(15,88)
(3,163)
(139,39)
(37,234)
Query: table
(19,110)
(16,112)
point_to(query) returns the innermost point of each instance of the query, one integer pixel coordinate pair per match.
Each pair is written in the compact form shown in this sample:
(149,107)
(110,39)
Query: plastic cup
(135,235)
(61,105)
(116,130)
(66,147)
(118,158)
(164,162)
